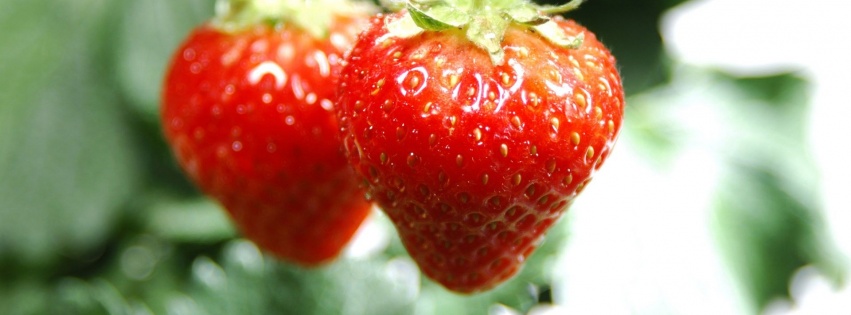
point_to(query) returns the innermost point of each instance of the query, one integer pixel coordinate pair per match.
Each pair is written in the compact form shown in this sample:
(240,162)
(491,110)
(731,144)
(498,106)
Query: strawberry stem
(313,16)
(484,21)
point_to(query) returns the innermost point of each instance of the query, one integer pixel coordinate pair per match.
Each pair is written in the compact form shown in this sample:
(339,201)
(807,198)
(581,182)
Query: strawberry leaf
(448,15)
(485,23)
(427,21)
(403,27)
(567,7)
(527,15)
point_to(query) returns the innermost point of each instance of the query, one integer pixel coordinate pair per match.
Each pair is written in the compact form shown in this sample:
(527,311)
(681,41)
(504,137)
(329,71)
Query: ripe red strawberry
(474,149)
(247,111)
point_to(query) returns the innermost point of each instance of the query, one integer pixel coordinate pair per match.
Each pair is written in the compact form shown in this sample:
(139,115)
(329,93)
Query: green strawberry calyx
(313,16)
(484,22)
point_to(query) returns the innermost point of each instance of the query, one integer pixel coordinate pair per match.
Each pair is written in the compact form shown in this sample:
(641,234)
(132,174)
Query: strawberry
(475,129)
(248,112)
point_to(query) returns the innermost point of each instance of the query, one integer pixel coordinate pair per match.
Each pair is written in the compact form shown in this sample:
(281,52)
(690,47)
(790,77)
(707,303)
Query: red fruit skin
(474,162)
(250,119)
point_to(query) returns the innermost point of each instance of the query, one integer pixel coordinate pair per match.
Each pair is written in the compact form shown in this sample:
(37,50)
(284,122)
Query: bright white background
(655,238)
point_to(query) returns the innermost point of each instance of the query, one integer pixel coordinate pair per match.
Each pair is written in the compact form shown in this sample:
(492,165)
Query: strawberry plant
(474,125)
(248,112)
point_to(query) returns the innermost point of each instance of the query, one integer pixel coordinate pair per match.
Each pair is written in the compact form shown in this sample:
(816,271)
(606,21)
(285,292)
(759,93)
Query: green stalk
(484,21)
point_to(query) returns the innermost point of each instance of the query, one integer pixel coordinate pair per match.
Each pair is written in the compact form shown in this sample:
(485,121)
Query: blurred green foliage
(58,197)
(767,207)
(95,217)
(766,212)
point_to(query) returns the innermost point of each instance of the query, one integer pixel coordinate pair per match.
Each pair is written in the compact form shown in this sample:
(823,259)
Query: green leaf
(243,281)
(448,14)
(426,18)
(75,296)
(767,233)
(210,223)
(567,7)
(768,216)
(148,34)
(403,27)
(526,14)
(766,207)
(23,298)
(67,156)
